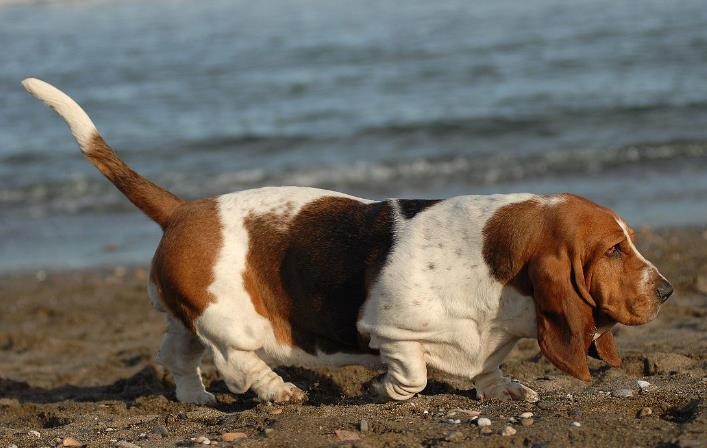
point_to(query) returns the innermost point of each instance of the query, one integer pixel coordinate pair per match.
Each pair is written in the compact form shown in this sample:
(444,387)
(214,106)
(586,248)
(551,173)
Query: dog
(306,277)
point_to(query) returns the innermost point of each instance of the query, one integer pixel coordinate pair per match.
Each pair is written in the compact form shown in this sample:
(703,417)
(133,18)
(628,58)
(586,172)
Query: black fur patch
(411,207)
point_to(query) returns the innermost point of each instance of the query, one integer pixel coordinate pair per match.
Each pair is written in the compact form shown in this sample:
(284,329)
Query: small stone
(346,436)
(701,284)
(527,422)
(486,430)
(363,425)
(512,420)
(70,441)
(203,440)
(454,436)
(508,431)
(622,393)
(126,444)
(161,430)
(268,431)
(12,445)
(526,415)
(231,436)
(645,412)
(9,402)
(576,424)
(142,435)
(34,433)
(643,384)
(483,421)
(276,411)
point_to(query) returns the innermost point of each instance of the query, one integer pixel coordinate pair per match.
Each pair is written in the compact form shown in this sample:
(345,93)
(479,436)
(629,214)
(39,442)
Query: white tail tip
(81,126)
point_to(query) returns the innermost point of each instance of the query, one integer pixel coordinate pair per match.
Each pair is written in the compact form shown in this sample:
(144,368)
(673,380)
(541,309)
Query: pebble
(34,433)
(346,436)
(486,430)
(142,435)
(701,284)
(9,402)
(161,430)
(643,384)
(363,425)
(645,412)
(125,444)
(70,441)
(12,446)
(508,431)
(268,431)
(526,415)
(231,436)
(276,411)
(454,421)
(622,393)
(576,424)
(483,421)
(527,422)
(454,436)
(203,440)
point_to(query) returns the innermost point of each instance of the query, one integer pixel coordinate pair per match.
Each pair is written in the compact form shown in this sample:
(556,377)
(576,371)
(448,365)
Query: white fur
(650,270)
(81,126)
(436,291)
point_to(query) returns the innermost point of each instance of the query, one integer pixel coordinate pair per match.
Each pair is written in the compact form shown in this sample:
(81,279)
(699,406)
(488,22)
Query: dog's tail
(154,201)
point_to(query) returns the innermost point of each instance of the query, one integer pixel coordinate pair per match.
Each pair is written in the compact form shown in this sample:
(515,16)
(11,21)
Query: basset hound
(306,277)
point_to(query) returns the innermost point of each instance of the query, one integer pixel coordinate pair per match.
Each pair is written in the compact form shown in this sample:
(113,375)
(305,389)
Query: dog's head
(580,264)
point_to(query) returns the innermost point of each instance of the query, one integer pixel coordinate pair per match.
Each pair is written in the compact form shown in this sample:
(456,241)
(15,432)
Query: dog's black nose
(664,290)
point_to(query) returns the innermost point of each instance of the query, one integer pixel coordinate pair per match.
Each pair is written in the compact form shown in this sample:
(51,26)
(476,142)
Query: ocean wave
(91,194)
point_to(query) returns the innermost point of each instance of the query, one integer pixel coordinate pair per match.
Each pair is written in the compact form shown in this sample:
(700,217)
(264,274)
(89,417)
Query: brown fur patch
(154,201)
(309,274)
(556,253)
(182,268)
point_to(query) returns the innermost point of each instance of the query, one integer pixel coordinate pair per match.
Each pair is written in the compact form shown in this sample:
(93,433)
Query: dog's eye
(614,251)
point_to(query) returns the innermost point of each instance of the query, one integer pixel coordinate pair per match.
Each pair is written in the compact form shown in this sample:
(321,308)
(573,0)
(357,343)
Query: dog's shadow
(150,383)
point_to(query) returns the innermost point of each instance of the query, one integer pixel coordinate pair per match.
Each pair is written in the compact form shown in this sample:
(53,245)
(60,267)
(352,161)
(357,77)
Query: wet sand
(76,360)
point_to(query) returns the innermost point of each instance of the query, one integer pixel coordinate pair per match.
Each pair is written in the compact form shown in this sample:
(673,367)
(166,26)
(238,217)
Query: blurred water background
(378,98)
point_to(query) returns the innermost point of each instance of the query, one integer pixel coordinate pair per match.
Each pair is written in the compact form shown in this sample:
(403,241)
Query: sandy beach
(76,361)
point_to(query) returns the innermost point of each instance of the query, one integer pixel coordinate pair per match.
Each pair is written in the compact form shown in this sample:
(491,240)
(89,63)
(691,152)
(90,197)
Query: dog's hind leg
(243,370)
(181,353)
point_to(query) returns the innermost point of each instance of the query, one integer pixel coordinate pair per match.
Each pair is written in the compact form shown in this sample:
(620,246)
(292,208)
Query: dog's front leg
(493,385)
(407,370)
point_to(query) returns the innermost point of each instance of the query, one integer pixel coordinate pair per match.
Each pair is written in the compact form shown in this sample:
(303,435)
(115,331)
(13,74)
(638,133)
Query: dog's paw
(197,397)
(287,393)
(507,390)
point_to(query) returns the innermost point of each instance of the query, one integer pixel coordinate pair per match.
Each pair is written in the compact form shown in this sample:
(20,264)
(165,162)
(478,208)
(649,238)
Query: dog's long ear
(604,348)
(565,322)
